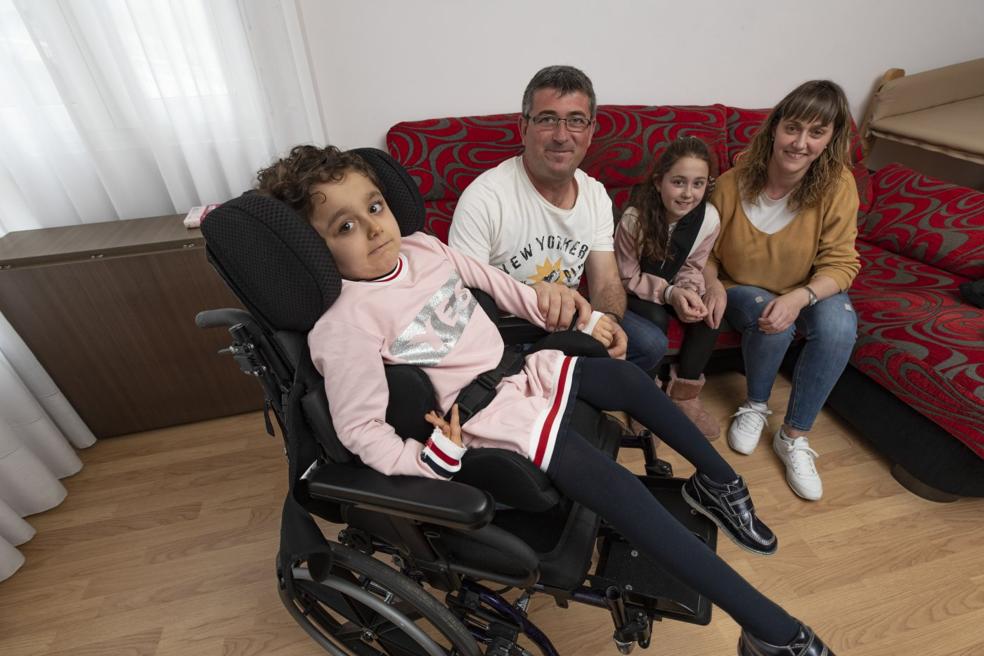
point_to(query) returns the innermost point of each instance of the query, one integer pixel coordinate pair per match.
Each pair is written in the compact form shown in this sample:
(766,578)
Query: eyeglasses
(550,121)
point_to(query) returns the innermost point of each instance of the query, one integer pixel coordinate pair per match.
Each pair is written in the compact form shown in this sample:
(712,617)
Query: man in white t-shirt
(545,222)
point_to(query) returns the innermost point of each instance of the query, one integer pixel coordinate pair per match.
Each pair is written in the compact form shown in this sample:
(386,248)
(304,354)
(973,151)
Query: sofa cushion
(438,219)
(917,339)
(927,220)
(742,124)
(727,339)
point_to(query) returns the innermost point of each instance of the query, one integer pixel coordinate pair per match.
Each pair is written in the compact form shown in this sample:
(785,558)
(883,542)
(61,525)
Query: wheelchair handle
(224,317)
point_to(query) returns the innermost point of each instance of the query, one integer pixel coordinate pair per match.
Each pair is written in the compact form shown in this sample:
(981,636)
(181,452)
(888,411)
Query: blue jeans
(830,328)
(647,343)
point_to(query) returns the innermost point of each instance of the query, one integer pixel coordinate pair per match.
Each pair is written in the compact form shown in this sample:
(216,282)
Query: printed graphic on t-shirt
(548,258)
(437,327)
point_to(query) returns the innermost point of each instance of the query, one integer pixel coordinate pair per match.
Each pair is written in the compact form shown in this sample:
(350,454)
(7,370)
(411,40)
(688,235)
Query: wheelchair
(420,566)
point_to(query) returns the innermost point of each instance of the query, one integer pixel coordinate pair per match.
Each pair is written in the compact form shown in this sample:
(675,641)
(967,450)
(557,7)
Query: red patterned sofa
(445,155)
(915,384)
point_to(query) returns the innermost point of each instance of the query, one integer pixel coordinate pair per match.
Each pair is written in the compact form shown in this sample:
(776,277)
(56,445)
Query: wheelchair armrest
(519,331)
(223,317)
(513,329)
(434,502)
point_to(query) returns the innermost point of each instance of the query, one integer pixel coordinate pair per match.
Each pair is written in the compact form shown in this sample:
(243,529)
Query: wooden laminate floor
(165,547)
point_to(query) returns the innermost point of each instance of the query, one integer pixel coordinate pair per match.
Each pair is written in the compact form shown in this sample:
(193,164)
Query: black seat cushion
(562,536)
(510,477)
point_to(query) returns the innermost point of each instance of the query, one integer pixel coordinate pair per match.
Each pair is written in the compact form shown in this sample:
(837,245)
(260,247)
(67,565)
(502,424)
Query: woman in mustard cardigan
(783,262)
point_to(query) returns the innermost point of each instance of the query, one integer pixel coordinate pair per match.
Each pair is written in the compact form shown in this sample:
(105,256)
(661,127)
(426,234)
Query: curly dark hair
(652,235)
(816,100)
(290,179)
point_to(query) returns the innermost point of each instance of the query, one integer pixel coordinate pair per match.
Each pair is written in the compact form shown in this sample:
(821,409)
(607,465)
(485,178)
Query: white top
(503,220)
(769,216)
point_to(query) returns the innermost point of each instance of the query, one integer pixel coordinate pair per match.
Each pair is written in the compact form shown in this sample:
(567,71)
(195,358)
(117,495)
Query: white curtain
(128,108)
(38,429)
(118,109)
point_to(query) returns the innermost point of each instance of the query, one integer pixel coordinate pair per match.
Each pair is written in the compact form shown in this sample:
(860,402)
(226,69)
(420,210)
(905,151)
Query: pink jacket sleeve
(691,274)
(350,360)
(510,295)
(644,285)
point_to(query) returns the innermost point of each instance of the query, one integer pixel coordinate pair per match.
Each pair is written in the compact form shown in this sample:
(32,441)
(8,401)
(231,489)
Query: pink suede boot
(685,394)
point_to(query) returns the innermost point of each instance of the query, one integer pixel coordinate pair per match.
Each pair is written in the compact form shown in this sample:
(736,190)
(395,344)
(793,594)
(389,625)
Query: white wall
(377,62)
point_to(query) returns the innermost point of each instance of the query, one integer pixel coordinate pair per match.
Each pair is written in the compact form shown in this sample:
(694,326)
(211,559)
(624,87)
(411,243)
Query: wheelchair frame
(351,603)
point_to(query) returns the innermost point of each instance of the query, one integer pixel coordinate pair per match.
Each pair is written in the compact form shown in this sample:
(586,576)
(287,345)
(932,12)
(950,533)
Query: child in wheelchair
(404,300)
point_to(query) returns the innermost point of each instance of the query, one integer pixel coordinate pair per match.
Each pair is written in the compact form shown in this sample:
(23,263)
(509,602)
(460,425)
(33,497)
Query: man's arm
(607,294)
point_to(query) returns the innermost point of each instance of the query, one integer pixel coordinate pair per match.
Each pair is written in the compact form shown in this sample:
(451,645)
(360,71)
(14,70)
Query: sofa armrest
(431,501)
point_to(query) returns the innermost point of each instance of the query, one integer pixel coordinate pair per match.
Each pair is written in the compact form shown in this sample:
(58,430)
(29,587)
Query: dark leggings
(584,474)
(698,340)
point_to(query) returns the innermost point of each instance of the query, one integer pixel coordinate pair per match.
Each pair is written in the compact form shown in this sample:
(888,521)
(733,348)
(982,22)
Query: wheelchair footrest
(642,580)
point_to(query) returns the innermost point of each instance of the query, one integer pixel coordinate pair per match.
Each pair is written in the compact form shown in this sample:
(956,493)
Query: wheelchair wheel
(362,607)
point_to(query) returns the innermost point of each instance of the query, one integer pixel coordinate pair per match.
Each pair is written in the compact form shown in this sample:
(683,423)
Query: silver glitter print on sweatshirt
(437,327)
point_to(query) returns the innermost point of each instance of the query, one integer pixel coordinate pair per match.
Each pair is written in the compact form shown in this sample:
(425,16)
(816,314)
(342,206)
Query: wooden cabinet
(109,311)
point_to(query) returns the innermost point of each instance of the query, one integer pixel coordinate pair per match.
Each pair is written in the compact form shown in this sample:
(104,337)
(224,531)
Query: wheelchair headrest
(277,263)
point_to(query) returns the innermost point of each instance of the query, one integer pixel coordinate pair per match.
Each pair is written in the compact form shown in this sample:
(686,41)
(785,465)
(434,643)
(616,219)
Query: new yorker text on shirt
(552,256)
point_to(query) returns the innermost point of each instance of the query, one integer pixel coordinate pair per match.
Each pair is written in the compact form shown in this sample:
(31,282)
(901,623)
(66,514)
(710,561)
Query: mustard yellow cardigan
(818,241)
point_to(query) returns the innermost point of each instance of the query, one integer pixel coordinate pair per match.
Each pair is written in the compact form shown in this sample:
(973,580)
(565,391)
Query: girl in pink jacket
(405,301)
(661,246)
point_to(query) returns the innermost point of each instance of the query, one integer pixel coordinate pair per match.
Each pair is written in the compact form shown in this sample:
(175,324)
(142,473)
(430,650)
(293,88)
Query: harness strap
(479,393)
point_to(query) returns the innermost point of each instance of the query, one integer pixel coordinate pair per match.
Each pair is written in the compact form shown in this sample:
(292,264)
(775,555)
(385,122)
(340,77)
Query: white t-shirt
(769,216)
(502,219)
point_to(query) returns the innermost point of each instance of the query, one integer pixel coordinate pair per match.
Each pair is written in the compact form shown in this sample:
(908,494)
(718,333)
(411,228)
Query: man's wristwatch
(813,296)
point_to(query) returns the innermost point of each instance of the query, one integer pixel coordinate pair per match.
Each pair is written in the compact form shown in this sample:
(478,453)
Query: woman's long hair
(652,233)
(816,100)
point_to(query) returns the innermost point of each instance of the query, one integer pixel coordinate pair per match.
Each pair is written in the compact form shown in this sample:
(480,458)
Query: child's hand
(451,431)
(604,330)
(688,305)
(619,345)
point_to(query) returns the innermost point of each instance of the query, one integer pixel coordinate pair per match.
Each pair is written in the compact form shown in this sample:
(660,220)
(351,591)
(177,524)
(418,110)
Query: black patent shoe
(806,643)
(730,507)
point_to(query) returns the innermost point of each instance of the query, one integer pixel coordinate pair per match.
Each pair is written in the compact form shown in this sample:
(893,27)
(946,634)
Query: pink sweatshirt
(649,287)
(422,314)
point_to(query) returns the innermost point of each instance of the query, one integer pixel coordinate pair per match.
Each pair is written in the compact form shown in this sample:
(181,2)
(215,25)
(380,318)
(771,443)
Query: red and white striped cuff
(442,455)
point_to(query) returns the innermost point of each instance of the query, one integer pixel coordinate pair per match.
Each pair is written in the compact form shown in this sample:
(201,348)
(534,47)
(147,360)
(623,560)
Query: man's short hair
(565,79)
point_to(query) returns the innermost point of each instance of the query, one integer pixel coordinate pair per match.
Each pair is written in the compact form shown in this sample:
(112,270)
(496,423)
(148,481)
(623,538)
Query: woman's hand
(452,430)
(782,311)
(688,305)
(715,300)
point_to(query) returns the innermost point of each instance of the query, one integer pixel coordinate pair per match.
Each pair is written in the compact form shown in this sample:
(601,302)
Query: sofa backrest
(927,220)
(445,155)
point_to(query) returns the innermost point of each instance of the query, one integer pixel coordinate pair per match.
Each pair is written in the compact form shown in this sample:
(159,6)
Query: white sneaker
(801,472)
(746,429)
